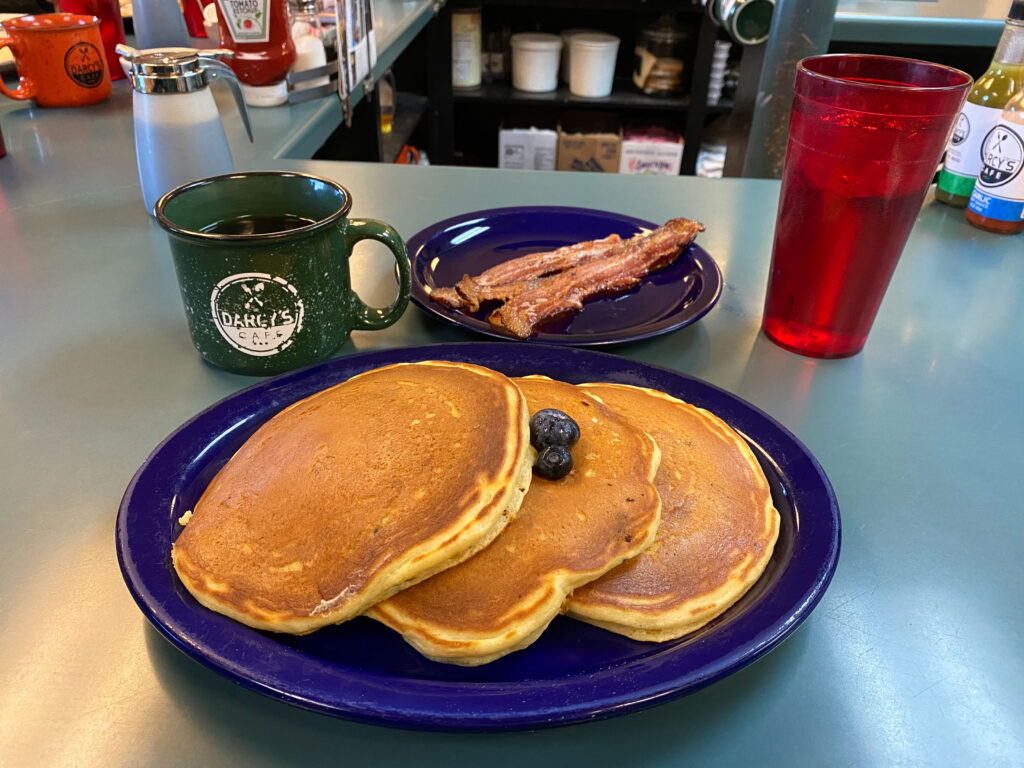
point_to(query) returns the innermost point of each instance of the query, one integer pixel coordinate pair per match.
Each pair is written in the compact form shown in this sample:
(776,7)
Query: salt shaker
(307,34)
(178,132)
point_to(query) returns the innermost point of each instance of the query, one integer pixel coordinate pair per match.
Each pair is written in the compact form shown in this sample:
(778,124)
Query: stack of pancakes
(406,494)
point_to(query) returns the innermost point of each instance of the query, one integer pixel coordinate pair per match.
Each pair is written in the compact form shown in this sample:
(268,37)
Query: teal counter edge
(908,30)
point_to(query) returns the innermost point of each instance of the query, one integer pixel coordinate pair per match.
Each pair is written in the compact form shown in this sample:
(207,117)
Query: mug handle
(369,318)
(26,88)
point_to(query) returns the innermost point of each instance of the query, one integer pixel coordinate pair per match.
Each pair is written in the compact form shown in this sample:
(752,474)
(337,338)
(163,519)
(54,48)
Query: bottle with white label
(466,44)
(997,202)
(984,106)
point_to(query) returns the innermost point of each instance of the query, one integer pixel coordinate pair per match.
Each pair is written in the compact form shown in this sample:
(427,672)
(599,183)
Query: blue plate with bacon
(634,290)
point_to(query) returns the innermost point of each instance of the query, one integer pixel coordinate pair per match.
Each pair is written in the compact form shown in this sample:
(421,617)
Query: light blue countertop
(913,656)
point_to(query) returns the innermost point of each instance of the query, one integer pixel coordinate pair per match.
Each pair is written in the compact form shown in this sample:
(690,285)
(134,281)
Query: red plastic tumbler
(866,135)
(111,27)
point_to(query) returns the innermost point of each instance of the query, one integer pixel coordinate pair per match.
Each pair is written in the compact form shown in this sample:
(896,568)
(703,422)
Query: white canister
(566,49)
(535,58)
(593,64)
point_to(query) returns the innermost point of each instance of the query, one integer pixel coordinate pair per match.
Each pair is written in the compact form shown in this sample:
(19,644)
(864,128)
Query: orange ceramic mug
(59,58)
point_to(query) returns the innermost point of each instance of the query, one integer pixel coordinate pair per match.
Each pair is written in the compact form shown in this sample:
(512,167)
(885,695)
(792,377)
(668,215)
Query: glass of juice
(865,138)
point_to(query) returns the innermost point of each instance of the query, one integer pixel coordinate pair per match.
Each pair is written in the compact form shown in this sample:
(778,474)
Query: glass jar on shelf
(659,57)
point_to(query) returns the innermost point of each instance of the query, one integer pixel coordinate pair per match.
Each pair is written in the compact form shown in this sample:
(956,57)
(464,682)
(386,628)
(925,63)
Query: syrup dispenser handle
(125,51)
(218,70)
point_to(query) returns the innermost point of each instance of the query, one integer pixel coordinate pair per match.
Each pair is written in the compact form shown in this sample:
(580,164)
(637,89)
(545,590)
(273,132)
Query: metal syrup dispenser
(178,132)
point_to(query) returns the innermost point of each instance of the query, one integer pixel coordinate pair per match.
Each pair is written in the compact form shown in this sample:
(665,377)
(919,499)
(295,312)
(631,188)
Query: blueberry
(553,427)
(553,462)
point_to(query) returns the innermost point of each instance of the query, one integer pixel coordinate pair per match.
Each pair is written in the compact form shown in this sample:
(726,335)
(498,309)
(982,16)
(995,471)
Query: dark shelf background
(409,110)
(462,126)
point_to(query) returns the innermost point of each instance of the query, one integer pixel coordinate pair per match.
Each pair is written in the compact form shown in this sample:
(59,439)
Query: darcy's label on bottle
(248,20)
(999,193)
(963,157)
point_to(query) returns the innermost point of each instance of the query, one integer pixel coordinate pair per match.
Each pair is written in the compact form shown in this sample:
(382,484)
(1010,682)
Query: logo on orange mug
(84,64)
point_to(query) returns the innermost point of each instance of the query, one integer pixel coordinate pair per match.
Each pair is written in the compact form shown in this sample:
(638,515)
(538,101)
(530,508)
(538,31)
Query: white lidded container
(567,49)
(535,58)
(592,63)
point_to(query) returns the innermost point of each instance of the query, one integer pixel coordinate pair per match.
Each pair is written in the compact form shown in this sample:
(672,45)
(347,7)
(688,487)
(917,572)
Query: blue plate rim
(701,305)
(166,611)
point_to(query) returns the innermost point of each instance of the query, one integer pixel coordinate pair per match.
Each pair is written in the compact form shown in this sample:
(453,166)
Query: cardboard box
(527,148)
(589,141)
(656,152)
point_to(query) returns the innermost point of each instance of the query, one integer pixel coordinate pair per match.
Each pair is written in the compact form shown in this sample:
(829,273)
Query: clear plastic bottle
(985,102)
(997,202)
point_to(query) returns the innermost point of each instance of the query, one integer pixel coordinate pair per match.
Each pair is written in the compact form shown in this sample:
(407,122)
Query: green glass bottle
(985,103)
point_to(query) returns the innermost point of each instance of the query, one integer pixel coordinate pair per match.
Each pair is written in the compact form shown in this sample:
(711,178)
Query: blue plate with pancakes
(664,301)
(574,672)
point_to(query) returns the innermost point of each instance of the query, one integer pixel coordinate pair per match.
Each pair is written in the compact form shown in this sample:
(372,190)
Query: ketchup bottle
(259,33)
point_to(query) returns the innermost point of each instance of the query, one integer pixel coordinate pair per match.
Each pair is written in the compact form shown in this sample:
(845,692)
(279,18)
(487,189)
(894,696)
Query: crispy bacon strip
(623,269)
(454,298)
(472,297)
(449,297)
(508,279)
(544,263)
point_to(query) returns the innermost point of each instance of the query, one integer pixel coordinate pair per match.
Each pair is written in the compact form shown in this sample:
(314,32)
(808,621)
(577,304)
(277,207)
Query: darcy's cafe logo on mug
(84,64)
(257,313)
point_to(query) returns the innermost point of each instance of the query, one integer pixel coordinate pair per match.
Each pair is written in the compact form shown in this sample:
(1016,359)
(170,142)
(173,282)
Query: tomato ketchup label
(248,20)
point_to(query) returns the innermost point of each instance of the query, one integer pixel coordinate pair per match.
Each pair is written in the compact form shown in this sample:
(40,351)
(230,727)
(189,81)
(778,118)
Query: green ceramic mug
(262,263)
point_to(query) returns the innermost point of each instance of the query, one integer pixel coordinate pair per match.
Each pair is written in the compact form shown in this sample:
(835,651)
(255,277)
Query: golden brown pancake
(567,533)
(356,492)
(718,525)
